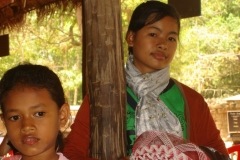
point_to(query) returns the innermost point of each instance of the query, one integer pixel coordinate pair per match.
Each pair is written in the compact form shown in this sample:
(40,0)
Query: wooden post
(106,78)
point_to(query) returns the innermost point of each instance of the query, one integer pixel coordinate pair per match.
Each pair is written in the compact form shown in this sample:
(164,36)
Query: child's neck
(54,156)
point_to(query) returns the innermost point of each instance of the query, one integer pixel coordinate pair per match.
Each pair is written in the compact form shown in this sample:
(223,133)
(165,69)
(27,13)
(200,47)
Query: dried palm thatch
(12,12)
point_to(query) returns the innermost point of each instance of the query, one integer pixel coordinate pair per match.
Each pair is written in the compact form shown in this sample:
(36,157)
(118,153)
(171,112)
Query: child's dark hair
(33,76)
(157,9)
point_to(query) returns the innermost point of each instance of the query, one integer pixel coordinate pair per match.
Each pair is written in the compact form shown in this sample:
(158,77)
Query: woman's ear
(2,118)
(64,114)
(130,38)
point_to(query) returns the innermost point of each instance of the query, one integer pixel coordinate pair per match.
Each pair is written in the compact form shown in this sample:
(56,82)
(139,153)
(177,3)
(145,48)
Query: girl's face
(154,45)
(33,121)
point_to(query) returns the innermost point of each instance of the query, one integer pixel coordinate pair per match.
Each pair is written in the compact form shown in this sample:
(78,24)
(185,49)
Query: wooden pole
(106,78)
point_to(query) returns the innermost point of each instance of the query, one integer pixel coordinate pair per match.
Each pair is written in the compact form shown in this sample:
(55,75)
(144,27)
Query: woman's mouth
(159,56)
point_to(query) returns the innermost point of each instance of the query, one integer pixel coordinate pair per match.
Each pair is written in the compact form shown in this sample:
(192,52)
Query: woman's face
(154,45)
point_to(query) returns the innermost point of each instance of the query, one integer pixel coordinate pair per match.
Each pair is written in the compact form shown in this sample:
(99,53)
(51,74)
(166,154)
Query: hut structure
(102,64)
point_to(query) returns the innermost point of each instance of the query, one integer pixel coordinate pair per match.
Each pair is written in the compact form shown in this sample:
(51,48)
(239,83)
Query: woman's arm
(78,141)
(203,130)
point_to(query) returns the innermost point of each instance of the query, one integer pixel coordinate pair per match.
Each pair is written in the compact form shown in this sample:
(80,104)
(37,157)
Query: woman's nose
(162,44)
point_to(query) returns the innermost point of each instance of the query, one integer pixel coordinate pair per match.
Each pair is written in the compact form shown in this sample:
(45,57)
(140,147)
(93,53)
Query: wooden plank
(4,45)
(187,8)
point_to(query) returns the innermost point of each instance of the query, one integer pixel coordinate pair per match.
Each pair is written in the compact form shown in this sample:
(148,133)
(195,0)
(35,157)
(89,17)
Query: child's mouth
(30,140)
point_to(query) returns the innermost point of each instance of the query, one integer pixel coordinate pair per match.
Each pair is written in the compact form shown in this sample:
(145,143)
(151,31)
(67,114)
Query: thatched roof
(12,12)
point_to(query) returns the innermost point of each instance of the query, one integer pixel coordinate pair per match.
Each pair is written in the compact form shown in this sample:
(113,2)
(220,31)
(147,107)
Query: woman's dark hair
(157,9)
(37,77)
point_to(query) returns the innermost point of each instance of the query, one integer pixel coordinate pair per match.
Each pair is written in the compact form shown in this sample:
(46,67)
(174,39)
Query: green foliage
(55,42)
(207,59)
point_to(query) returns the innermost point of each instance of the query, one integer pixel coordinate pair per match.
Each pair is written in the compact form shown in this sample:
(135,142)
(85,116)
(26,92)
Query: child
(155,101)
(34,109)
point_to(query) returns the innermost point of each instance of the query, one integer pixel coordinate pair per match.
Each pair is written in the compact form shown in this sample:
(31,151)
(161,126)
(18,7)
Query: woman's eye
(14,118)
(172,39)
(40,114)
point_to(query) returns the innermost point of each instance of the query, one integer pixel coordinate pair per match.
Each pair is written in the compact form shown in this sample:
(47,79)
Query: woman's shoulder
(186,90)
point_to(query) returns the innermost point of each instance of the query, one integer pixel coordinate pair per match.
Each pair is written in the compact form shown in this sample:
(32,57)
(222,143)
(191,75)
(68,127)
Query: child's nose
(27,125)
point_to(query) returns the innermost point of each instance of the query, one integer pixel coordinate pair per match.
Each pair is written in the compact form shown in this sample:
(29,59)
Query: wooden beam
(106,78)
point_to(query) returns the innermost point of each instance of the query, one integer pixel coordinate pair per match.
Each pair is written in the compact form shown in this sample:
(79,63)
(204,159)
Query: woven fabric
(157,145)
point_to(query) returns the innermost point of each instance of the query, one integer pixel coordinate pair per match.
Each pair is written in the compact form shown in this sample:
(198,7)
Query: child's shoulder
(61,157)
(14,157)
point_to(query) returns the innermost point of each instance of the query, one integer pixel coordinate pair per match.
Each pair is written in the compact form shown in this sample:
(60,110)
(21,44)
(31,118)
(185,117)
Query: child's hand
(125,158)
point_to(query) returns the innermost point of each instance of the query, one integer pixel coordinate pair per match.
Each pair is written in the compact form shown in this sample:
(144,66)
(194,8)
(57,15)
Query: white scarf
(151,113)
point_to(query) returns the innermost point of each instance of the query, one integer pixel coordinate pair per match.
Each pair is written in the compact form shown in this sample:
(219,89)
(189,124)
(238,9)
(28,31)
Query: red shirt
(201,127)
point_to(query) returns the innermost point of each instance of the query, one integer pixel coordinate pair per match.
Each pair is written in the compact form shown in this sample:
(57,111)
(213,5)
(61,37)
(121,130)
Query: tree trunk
(106,78)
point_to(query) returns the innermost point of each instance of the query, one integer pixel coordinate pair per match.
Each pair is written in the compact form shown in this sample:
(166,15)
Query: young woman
(34,109)
(155,100)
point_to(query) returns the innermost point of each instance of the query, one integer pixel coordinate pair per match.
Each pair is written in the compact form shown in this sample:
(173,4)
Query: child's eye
(152,34)
(14,118)
(40,114)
